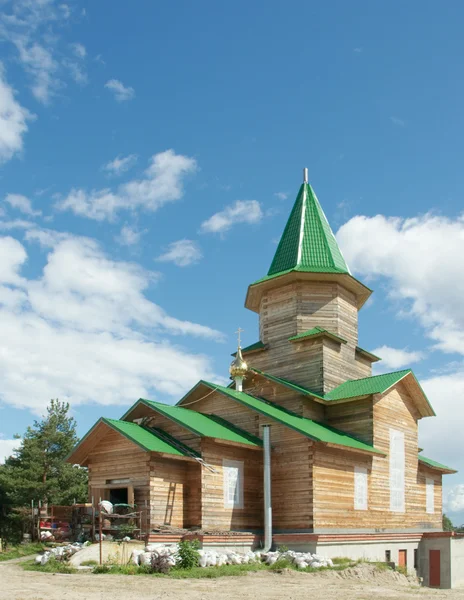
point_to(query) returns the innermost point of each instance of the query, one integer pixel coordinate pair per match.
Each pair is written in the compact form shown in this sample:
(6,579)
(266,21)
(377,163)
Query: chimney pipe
(305,175)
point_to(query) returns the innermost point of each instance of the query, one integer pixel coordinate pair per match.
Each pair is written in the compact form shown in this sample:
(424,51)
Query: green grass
(53,566)
(194,573)
(89,563)
(20,551)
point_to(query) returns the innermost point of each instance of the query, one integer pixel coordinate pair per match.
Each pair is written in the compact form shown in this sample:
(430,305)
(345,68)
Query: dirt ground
(16,584)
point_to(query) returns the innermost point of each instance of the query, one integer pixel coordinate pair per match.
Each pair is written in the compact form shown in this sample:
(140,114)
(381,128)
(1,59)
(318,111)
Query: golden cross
(238,332)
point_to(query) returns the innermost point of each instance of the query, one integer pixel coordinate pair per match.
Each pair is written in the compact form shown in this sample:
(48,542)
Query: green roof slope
(311,429)
(204,425)
(308,243)
(316,332)
(377,384)
(435,465)
(148,439)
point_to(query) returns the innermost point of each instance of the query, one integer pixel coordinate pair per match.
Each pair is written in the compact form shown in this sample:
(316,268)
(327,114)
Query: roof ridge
(378,375)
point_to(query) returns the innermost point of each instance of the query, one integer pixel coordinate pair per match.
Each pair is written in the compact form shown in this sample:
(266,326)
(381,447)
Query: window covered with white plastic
(429,489)
(360,488)
(397,471)
(233,483)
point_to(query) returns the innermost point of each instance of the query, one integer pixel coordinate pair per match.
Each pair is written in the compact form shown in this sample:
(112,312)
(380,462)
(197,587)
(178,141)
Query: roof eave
(256,289)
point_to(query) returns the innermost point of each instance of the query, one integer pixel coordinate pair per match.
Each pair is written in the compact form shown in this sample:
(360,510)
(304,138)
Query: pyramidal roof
(308,243)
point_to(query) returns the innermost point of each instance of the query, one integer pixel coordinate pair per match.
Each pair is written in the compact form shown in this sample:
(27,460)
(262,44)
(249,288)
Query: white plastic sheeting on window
(360,488)
(233,483)
(429,499)
(397,468)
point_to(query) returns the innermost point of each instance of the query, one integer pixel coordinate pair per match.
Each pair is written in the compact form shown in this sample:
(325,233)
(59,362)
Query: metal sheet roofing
(377,384)
(147,439)
(435,465)
(317,332)
(307,427)
(204,425)
(308,242)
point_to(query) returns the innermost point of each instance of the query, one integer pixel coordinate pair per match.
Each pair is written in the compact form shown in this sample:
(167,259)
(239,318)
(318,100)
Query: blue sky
(150,155)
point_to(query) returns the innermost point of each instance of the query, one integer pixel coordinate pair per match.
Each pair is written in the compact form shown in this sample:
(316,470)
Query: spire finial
(305,175)
(238,369)
(238,332)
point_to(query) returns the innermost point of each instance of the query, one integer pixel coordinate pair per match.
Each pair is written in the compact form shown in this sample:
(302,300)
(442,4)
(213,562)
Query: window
(416,559)
(429,499)
(360,488)
(397,464)
(233,483)
(388,556)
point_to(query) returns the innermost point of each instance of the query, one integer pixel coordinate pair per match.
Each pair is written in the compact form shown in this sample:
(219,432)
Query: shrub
(282,549)
(160,564)
(188,555)
(281,563)
(101,569)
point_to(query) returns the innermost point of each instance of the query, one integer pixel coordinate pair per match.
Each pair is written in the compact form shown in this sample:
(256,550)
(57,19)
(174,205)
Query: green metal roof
(308,243)
(256,346)
(147,439)
(377,384)
(204,425)
(435,465)
(311,429)
(317,332)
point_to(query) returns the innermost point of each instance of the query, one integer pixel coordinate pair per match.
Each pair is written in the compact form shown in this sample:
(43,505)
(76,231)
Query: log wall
(214,514)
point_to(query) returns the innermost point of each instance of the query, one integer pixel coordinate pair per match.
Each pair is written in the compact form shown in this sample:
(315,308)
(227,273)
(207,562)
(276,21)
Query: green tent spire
(308,243)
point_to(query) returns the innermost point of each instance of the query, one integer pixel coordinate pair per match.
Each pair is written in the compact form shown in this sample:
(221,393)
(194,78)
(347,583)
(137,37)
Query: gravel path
(16,584)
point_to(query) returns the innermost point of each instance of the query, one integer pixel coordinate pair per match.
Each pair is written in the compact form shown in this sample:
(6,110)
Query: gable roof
(308,241)
(316,332)
(203,425)
(356,388)
(435,465)
(307,427)
(147,439)
(368,355)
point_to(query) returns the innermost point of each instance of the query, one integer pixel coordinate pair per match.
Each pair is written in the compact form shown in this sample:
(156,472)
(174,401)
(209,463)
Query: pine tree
(37,470)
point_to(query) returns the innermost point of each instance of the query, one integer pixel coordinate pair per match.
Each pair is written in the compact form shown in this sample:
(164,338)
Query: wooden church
(305,444)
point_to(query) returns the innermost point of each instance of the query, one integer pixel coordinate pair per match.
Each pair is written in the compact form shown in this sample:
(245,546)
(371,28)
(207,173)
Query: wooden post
(100,533)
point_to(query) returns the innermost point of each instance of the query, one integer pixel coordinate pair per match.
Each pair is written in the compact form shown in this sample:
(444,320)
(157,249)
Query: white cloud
(441,436)
(38,61)
(22,204)
(88,333)
(76,71)
(397,121)
(33,29)
(242,211)
(454,499)
(423,260)
(79,50)
(16,224)
(281,195)
(13,121)
(182,253)
(120,164)
(121,92)
(162,183)
(396,358)
(129,236)
(7,447)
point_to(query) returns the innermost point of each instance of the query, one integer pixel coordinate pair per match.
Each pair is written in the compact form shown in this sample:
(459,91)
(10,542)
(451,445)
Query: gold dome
(238,367)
